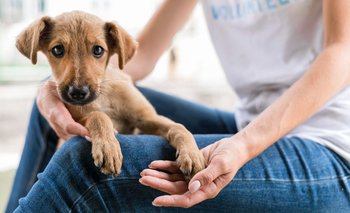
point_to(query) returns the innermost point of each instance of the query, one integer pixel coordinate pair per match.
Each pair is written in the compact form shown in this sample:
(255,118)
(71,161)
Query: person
(286,148)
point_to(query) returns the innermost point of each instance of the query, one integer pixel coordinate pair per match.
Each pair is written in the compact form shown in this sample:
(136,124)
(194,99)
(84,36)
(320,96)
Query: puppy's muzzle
(78,95)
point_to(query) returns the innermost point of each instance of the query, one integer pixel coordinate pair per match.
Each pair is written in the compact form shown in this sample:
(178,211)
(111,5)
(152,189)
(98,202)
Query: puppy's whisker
(112,80)
(105,80)
(102,93)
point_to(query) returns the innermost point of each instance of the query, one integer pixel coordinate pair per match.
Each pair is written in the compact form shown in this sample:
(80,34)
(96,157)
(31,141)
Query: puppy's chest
(120,118)
(115,111)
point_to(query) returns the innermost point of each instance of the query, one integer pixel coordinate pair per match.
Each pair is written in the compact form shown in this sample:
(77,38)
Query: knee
(74,157)
(74,154)
(74,149)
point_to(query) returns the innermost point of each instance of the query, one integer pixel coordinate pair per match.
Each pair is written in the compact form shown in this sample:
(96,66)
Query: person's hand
(223,159)
(55,112)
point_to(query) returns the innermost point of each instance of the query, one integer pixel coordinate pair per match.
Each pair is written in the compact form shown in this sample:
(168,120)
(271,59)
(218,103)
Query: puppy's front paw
(107,155)
(190,162)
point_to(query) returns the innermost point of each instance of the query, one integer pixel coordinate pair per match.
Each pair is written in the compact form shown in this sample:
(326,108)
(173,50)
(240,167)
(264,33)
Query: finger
(50,83)
(60,132)
(162,175)
(88,138)
(177,187)
(63,133)
(74,128)
(188,199)
(166,165)
(206,176)
(65,121)
(47,98)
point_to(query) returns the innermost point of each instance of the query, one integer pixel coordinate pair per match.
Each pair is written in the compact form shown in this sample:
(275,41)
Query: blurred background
(189,68)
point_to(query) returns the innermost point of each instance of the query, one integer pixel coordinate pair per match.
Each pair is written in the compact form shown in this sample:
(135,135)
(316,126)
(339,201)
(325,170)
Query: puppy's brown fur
(114,101)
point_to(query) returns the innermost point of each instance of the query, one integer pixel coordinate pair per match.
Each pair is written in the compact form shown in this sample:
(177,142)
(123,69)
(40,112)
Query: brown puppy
(78,46)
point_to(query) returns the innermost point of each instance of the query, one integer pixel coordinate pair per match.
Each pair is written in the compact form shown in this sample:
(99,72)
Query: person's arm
(153,41)
(157,35)
(328,75)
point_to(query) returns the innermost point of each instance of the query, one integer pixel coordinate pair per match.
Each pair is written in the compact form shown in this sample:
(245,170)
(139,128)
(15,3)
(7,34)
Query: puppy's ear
(30,40)
(120,42)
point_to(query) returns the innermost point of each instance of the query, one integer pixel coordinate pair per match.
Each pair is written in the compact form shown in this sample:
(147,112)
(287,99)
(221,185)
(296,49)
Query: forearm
(157,35)
(329,74)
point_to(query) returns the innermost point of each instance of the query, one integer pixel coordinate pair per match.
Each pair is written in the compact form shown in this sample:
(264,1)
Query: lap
(41,140)
(292,175)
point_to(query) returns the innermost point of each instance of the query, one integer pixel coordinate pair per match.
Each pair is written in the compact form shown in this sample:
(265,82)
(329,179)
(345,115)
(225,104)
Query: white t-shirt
(264,46)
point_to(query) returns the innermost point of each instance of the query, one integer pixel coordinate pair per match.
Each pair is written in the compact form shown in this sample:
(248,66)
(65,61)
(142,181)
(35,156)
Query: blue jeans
(293,175)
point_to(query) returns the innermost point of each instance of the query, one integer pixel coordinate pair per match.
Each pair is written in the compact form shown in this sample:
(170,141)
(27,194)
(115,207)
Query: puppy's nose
(78,93)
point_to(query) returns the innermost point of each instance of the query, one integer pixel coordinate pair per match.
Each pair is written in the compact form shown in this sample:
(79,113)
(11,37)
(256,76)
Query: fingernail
(154,204)
(141,181)
(88,138)
(195,185)
(141,173)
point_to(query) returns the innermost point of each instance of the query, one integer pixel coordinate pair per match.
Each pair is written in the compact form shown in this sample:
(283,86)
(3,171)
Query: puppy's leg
(188,157)
(105,147)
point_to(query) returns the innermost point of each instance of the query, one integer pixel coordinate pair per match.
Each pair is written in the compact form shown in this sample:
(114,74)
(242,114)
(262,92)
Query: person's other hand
(56,113)
(223,160)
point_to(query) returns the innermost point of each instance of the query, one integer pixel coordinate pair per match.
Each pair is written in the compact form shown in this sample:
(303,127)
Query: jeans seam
(347,177)
(97,183)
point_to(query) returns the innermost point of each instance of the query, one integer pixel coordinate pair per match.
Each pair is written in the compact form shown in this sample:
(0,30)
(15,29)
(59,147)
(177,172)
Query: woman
(286,148)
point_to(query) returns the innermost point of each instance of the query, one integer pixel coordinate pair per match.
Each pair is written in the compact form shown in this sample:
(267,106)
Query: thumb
(204,177)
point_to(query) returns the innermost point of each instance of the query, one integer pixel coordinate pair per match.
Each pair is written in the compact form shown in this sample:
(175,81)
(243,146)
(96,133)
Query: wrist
(242,143)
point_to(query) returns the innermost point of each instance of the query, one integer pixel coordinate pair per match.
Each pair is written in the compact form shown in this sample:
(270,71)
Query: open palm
(222,164)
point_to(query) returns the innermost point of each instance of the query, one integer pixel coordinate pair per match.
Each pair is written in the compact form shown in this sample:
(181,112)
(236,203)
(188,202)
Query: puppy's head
(78,46)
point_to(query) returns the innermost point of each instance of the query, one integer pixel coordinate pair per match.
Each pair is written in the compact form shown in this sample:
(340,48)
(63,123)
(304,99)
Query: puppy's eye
(97,51)
(58,51)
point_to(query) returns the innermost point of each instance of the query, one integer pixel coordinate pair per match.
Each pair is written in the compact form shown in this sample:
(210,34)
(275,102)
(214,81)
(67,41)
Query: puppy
(78,46)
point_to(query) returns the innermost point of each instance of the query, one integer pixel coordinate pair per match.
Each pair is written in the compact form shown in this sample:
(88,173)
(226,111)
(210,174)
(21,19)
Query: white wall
(196,58)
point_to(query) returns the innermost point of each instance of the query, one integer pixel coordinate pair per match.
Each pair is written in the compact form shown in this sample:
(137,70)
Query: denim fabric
(40,145)
(293,175)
